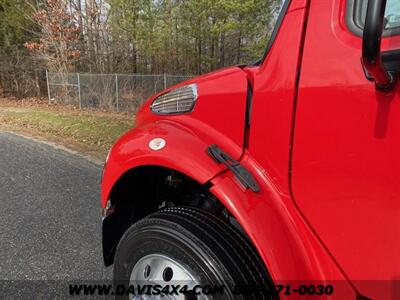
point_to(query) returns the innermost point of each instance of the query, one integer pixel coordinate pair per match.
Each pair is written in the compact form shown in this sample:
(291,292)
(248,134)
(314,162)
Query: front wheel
(205,257)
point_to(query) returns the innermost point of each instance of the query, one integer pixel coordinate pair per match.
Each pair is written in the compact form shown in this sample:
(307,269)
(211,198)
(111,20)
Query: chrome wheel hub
(165,272)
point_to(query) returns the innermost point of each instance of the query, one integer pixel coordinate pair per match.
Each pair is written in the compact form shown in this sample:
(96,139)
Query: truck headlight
(180,100)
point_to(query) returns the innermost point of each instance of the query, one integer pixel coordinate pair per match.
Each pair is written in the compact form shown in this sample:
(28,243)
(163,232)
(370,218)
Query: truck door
(346,147)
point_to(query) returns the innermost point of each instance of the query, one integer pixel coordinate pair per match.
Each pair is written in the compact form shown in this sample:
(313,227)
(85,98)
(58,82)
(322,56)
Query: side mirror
(371,46)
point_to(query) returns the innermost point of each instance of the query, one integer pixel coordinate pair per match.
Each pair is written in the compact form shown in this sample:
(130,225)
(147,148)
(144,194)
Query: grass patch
(89,131)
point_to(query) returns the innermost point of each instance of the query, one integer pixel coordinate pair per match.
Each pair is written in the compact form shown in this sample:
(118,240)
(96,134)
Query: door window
(357,10)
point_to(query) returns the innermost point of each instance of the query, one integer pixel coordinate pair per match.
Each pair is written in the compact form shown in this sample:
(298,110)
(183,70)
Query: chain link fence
(114,92)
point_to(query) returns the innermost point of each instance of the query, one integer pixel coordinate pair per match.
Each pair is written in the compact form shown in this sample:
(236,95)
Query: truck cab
(278,179)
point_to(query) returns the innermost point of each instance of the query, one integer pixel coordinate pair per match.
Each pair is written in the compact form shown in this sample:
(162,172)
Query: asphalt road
(50,216)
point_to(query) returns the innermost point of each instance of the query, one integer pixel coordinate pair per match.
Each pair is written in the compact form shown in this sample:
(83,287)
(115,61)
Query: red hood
(220,109)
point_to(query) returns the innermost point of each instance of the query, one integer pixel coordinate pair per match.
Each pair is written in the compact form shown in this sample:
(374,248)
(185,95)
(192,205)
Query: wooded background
(127,36)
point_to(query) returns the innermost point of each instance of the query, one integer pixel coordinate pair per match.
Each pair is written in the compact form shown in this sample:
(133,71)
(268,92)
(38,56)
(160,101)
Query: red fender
(184,152)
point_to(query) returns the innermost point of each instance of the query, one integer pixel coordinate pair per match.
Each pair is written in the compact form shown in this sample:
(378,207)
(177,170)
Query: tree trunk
(239,47)
(89,32)
(37,85)
(222,50)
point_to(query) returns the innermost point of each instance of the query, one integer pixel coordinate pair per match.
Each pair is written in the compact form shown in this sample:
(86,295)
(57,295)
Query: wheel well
(144,190)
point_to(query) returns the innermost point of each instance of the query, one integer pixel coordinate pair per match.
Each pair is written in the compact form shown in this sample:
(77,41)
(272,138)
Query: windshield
(278,13)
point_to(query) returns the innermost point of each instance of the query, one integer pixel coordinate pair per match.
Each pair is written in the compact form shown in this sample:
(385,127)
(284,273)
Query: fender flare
(184,152)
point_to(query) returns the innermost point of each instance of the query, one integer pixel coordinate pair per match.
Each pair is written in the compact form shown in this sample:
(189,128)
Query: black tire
(214,250)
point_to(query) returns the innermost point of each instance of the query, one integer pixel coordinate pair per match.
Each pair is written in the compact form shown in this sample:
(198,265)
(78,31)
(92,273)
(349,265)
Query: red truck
(279,179)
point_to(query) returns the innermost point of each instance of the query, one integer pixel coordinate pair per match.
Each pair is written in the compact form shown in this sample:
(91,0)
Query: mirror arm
(371,46)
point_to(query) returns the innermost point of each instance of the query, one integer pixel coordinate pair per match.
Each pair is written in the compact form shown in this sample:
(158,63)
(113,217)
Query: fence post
(79,91)
(165,81)
(116,91)
(48,86)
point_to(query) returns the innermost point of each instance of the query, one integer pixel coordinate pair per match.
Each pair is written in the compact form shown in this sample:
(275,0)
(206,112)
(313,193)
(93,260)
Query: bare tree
(59,35)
